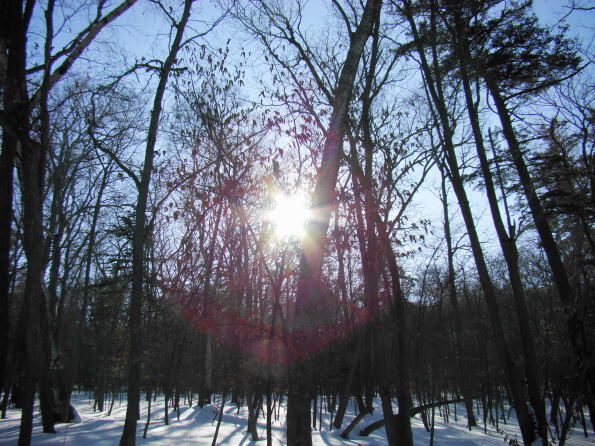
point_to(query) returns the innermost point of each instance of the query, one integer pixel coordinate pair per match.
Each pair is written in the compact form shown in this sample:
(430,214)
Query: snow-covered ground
(196,426)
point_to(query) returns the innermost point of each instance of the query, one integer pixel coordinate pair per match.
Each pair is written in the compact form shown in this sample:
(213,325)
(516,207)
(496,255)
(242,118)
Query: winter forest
(293,222)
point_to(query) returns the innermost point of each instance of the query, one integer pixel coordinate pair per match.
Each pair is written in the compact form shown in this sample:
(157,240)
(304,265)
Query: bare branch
(93,30)
(112,155)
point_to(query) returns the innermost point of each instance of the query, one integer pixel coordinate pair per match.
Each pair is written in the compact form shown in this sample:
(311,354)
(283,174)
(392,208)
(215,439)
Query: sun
(289,216)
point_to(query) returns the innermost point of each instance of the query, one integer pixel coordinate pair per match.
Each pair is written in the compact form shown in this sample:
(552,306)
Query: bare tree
(15,119)
(140,234)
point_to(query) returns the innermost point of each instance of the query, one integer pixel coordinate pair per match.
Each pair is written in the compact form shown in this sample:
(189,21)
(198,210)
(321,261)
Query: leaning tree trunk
(298,399)
(511,256)
(575,323)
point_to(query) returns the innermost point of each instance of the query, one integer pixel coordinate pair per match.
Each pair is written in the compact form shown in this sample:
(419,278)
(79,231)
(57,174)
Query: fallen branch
(414,411)
(356,420)
(419,409)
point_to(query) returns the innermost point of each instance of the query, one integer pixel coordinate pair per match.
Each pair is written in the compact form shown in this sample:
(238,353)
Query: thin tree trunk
(399,426)
(206,382)
(269,408)
(149,399)
(87,281)
(214,442)
(166,407)
(139,236)
(462,364)
(432,430)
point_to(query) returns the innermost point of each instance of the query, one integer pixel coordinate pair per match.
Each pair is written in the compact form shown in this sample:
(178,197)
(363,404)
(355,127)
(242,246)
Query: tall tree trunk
(372,258)
(298,399)
(139,236)
(207,347)
(85,301)
(33,182)
(576,327)
(462,363)
(6,195)
(13,52)
(436,97)
(511,256)
(399,426)
(56,373)
(403,435)
(32,175)
(14,25)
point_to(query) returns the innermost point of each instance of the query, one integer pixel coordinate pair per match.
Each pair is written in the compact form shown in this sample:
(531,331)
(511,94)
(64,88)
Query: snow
(197,425)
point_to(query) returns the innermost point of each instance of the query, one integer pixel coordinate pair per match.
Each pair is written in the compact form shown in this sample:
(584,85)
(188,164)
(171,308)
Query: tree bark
(15,120)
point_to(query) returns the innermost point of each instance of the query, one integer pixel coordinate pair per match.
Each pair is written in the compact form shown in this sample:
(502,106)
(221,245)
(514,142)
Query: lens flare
(289,216)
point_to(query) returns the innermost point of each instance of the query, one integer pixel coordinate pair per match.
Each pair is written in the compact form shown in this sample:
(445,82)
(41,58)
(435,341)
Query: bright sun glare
(289,216)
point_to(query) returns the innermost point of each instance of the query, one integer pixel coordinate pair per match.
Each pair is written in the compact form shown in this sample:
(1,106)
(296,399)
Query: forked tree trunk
(32,174)
(32,181)
(399,426)
(348,385)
